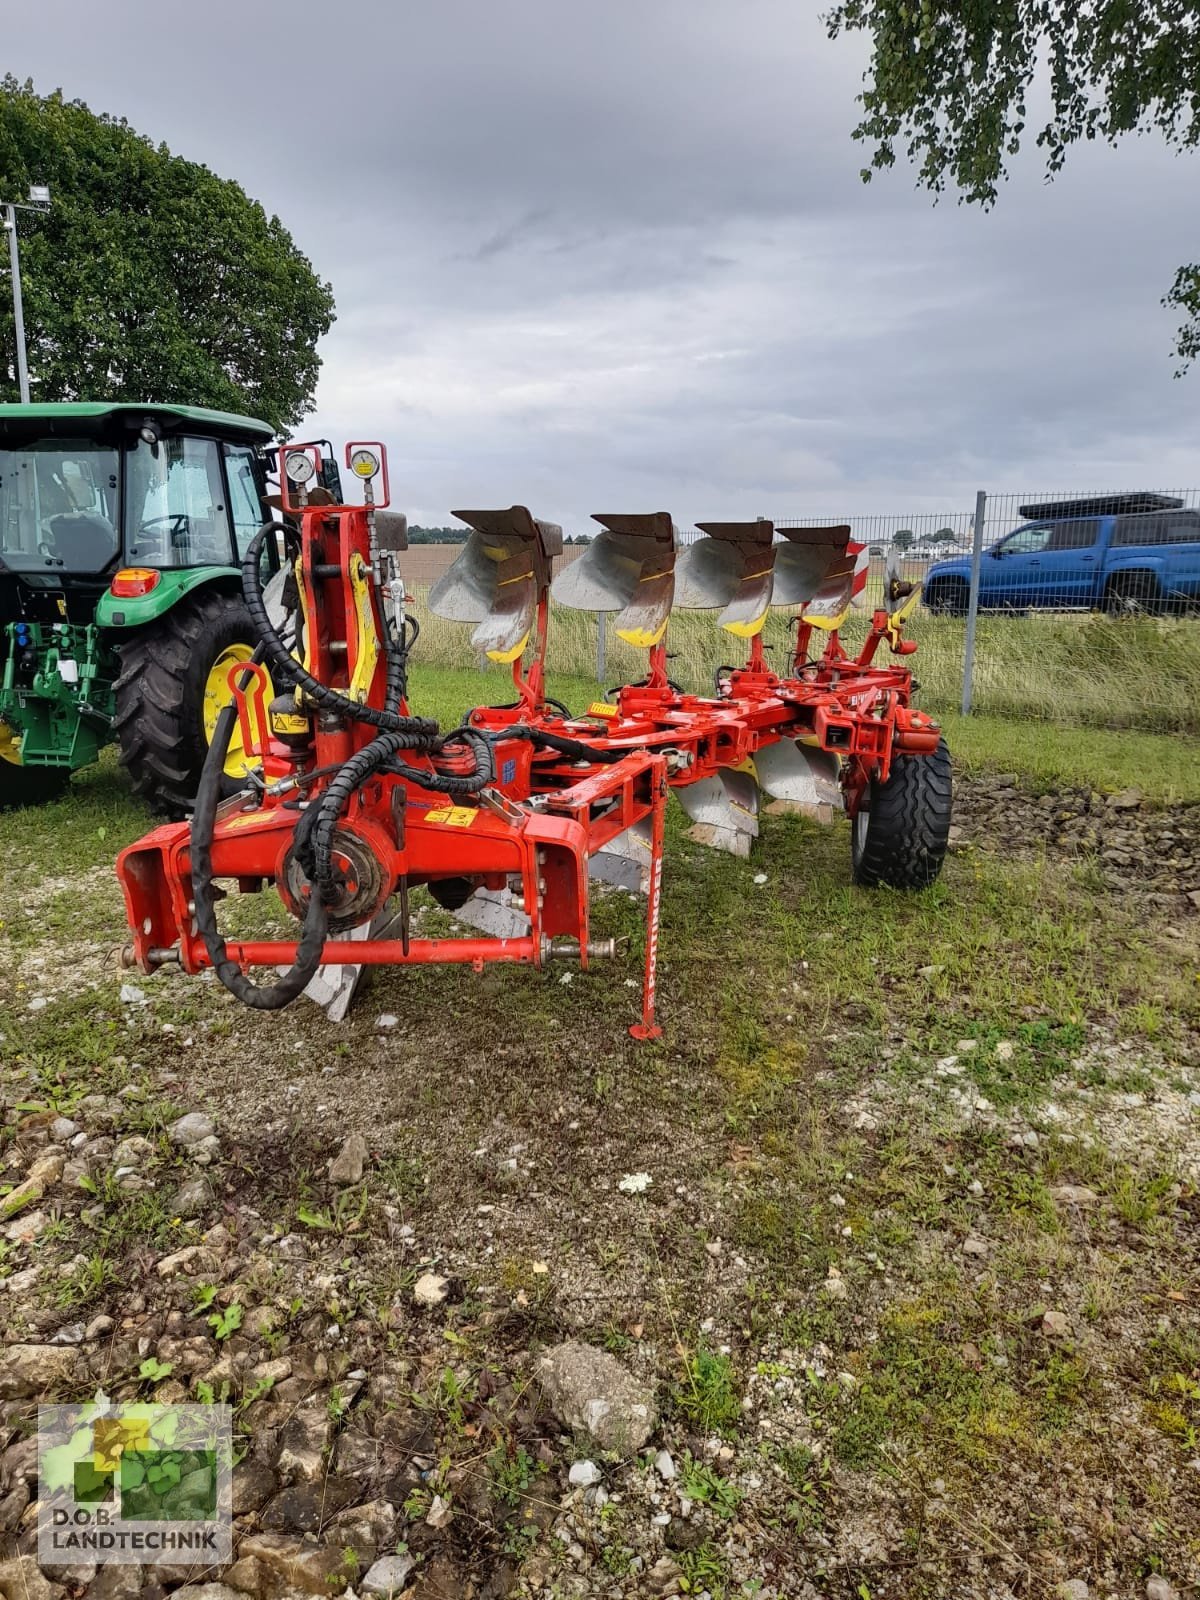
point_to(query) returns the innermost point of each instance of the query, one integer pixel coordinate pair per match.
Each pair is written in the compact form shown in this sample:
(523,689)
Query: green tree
(903,538)
(952,81)
(151,278)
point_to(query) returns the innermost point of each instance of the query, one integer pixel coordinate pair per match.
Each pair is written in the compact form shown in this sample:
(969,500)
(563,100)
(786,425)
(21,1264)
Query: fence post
(973,602)
(601,646)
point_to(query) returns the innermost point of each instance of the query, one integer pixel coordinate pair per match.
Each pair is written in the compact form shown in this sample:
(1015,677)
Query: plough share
(506,818)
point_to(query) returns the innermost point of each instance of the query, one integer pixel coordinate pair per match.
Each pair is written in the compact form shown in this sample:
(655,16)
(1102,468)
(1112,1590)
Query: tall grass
(1077,671)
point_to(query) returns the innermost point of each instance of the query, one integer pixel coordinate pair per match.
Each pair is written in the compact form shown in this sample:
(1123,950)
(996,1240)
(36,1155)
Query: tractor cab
(122,529)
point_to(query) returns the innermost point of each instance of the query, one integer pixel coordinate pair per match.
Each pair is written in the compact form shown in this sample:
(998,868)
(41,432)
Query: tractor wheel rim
(10,746)
(217,695)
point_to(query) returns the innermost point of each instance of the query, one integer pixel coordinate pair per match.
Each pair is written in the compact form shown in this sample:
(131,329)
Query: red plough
(507,817)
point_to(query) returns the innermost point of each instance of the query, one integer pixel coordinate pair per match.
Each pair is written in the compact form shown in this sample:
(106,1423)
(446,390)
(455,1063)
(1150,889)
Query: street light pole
(14,258)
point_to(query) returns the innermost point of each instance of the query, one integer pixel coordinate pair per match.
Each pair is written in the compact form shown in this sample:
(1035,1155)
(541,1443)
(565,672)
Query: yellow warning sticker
(453,816)
(601,708)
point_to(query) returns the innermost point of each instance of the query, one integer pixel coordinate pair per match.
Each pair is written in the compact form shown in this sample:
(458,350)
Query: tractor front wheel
(902,828)
(173,684)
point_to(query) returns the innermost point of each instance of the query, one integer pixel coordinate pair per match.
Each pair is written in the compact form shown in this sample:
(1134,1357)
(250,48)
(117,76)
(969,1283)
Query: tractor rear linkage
(506,817)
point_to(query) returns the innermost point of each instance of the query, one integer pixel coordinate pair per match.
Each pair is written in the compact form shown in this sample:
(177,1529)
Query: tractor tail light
(131,582)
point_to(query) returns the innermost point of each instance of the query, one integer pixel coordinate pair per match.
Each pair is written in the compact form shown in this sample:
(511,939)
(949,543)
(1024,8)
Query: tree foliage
(953,81)
(151,278)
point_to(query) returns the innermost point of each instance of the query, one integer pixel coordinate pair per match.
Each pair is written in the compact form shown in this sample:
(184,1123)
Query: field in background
(1072,670)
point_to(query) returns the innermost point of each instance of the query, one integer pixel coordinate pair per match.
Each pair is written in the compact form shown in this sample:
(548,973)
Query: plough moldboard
(506,818)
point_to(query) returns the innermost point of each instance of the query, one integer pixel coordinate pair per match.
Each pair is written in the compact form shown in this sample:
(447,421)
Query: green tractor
(121,607)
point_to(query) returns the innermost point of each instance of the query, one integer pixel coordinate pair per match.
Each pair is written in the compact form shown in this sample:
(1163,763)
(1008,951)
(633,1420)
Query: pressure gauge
(364,463)
(300,467)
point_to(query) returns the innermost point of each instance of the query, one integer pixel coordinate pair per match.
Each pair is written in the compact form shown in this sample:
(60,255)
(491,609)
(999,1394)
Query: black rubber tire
(30,786)
(899,837)
(160,695)
(948,598)
(1133,594)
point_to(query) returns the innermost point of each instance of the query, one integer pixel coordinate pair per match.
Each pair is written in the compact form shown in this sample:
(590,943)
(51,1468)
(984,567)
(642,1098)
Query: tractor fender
(121,611)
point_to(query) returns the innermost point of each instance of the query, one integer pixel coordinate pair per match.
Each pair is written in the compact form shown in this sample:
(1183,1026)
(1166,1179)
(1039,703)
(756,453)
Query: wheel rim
(10,746)
(217,695)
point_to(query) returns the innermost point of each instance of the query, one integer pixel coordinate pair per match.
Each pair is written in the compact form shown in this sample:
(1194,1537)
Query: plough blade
(842,587)
(804,560)
(800,776)
(491,911)
(625,860)
(630,569)
(724,811)
(733,568)
(496,581)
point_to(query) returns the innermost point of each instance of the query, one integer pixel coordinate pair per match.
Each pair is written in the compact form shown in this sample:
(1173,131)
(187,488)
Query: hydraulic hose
(261,997)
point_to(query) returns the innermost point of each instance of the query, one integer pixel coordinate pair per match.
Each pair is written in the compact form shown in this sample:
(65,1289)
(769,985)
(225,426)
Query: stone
(132,1152)
(247,1576)
(192,1129)
(253,1485)
(113,1582)
(1073,1589)
(1056,1325)
(62,1129)
(305,1506)
(589,1390)
(24,1230)
(31,1369)
(308,1567)
(22,1578)
(973,1245)
(1157,1588)
(431,1289)
(207,1591)
(387,1576)
(369,1527)
(45,1172)
(663,1577)
(584,1474)
(304,1442)
(193,1197)
(347,1166)
(1126,800)
(664,1465)
(1074,1194)
(191,1260)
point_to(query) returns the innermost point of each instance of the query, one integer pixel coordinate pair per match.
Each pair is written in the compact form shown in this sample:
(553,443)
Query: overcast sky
(617,256)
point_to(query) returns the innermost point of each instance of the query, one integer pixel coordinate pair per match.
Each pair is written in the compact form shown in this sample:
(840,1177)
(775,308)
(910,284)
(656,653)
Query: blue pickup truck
(1120,553)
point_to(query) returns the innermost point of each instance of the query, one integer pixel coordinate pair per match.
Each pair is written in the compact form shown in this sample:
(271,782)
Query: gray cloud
(621,255)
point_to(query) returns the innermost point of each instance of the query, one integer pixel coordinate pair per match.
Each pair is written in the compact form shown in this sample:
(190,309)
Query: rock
(347,1166)
(193,1197)
(29,1369)
(589,1390)
(192,1259)
(387,1576)
(583,1474)
(98,1327)
(1157,1588)
(132,1152)
(1056,1325)
(304,1507)
(247,1576)
(1073,1589)
(192,1129)
(131,995)
(439,1513)
(430,1289)
(44,1172)
(1127,800)
(62,1129)
(27,1228)
(113,1582)
(664,1465)
(1074,1194)
(973,1245)
(304,1441)
(253,1485)
(207,1591)
(368,1527)
(22,1579)
(663,1577)
(307,1567)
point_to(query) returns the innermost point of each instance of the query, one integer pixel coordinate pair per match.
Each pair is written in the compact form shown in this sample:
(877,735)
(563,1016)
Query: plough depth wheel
(900,834)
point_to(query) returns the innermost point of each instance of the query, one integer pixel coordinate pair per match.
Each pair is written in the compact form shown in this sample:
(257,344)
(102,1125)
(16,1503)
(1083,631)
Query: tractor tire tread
(908,827)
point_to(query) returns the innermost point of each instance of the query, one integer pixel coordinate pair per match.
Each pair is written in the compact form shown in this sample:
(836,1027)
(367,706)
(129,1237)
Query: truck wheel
(1132,594)
(172,686)
(900,834)
(949,598)
(26,786)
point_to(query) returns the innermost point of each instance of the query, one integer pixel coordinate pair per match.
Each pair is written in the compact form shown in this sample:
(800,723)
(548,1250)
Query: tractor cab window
(248,512)
(175,505)
(58,507)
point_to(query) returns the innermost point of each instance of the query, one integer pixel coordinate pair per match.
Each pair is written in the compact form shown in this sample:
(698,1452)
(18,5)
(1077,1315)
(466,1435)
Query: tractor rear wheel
(173,684)
(900,834)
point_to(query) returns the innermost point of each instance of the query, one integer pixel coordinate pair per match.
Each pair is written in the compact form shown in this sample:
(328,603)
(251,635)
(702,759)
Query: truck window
(1025,541)
(175,511)
(1078,535)
(1160,527)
